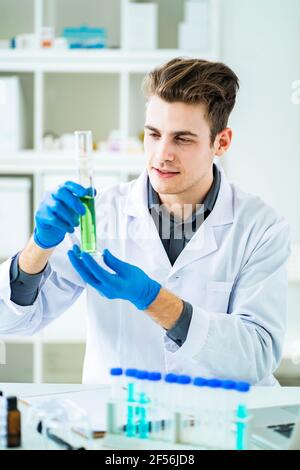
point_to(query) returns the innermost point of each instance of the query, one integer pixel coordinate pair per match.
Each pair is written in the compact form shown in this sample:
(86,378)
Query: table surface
(260,397)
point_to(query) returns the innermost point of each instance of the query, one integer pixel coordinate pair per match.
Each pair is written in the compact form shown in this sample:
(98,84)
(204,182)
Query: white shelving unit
(66,90)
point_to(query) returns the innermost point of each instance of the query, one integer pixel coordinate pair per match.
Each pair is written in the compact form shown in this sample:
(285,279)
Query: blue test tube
(154,396)
(242,415)
(131,396)
(143,400)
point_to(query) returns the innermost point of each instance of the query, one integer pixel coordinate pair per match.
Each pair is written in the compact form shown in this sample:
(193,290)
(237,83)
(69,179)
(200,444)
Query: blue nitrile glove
(129,282)
(58,214)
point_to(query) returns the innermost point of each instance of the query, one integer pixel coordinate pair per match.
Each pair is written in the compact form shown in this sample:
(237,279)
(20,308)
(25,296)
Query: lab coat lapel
(143,231)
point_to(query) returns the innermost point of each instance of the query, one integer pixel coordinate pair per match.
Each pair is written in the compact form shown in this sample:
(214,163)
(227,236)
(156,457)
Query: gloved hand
(58,214)
(129,282)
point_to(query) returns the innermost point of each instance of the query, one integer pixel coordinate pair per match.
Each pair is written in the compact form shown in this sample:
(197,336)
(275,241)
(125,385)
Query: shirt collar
(208,203)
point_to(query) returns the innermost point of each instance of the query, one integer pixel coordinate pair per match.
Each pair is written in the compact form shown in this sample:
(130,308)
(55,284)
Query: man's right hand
(58,214)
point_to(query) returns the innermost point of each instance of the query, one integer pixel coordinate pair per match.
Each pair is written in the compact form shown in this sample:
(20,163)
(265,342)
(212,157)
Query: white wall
(260,40)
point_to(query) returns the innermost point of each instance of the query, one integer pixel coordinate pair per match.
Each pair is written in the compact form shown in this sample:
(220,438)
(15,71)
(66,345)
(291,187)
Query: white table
(261,397)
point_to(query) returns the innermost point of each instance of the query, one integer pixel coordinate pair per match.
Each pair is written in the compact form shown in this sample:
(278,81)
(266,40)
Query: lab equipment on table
(179,412)
(10,422)
(84,146)
(62,424)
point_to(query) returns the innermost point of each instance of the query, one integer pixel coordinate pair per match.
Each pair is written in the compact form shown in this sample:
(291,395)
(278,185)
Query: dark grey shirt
(175,234)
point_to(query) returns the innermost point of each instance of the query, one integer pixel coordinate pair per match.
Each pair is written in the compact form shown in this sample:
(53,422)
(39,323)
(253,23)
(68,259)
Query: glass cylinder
(84,153)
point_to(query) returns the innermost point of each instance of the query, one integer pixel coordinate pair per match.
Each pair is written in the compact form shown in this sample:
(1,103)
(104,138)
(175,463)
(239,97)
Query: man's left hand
(128,282)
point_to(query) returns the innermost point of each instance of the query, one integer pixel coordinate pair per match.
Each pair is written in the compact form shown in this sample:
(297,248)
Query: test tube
(200,400)
(154,379)
(130,429)
(116,383)
(213,437)
(84,146)
(242,416)
(228,413)
(143,400)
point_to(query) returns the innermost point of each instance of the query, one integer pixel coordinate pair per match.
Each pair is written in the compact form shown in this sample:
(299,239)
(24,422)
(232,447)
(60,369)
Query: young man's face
(177,146)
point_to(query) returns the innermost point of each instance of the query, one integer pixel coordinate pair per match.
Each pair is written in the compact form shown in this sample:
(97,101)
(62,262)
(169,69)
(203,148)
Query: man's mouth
(165,173)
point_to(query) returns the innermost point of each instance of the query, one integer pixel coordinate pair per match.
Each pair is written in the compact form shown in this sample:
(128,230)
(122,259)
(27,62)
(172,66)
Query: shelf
(26,159)
(104,60)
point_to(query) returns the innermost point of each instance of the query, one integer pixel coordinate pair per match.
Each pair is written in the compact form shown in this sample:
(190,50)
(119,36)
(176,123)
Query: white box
(12,122)
(15,212)
(196,11)
(193,37)
(140,26)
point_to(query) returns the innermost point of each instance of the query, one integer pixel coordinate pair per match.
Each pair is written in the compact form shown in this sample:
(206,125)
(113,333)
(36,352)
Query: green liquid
(88,225)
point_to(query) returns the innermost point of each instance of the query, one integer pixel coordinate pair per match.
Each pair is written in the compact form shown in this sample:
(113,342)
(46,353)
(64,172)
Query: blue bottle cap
(214,383)
(170,378)
(116,371)
(242,386)
(130,372)
(183,379)
(154,376)
(142,374)
(200,382)
(228,384)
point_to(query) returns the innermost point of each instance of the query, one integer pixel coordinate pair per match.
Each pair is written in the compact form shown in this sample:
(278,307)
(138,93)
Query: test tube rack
(180,436)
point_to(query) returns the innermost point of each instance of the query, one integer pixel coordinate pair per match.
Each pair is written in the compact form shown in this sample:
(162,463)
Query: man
(193,276)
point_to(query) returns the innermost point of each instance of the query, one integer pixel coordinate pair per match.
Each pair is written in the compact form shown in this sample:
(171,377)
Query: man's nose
(165,151)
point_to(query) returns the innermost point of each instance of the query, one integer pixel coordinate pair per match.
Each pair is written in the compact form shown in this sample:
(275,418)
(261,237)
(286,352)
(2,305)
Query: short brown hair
(194,81)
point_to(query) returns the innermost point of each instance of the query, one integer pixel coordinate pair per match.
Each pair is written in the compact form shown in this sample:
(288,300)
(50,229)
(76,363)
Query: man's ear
(222,141)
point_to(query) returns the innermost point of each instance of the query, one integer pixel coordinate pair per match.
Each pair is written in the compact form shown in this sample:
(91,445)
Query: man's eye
(183,141)
(154,135)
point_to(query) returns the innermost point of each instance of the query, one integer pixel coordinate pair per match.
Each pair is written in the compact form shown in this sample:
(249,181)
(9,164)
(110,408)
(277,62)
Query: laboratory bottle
(13,423)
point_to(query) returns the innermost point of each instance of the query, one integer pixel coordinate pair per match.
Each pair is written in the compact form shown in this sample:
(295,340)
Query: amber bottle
(13,423)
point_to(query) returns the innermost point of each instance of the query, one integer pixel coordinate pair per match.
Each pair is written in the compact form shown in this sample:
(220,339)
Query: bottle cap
(228,384)
(154,376)
(116,371)
(11,403)
(142,374)
(130,372)
(214,383)
(183,379)
(170,378)
(242,386)
(200,382)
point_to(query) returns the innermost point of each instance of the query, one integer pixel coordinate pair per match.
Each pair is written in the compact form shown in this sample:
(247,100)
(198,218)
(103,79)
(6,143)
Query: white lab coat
(233,272)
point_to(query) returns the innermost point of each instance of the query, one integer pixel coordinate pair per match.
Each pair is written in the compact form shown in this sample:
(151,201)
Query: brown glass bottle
(13,423)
